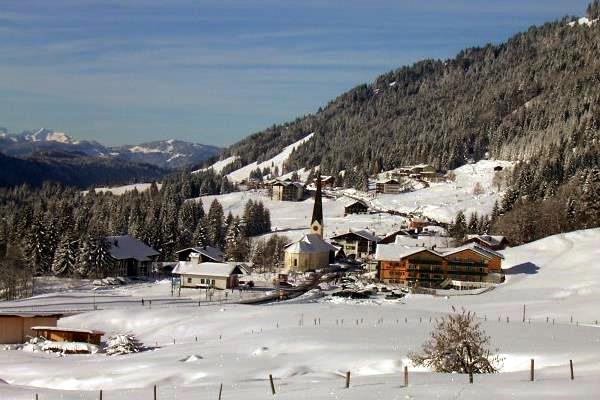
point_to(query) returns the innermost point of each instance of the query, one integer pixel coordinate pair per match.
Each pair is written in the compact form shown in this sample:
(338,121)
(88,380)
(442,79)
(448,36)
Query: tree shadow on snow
(528,268)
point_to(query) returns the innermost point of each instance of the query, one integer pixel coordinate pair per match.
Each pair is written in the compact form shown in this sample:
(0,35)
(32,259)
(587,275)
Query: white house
(208,274)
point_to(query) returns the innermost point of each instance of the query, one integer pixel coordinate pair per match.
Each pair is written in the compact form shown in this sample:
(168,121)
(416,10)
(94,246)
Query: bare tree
(458,344)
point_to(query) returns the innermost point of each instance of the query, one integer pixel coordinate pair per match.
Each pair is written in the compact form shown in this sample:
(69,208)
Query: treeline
(60,230)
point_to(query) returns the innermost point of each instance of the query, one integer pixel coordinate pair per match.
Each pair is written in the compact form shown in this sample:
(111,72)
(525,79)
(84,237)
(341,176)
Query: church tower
(316,223)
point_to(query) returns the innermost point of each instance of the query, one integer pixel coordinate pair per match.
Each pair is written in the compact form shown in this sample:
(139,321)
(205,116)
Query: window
(202,280)
(212,282)
(295,262)
(189,280)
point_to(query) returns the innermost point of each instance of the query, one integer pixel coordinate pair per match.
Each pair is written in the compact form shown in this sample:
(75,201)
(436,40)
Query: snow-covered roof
(492,240)
(484,251)
(310,243)
(211,252)
(396,252)
(350,201)
(125,247)
(206,269)
(288,183)
(362,233)
(62,329)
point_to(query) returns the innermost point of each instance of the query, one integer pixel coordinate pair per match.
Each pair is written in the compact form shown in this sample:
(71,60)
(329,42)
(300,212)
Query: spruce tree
(65,257)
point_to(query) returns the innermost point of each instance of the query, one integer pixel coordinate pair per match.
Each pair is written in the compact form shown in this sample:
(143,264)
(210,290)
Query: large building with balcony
(424,267)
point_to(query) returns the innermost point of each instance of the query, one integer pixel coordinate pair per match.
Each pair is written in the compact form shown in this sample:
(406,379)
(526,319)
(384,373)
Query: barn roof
(361,233)
(62,329)
(310,243)
(207,269)
(211,252)
(491,240)
(125,247)
(488,253)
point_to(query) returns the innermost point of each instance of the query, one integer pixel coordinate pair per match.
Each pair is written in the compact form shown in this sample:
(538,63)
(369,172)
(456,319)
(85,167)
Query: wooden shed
(14,328)
(57,334)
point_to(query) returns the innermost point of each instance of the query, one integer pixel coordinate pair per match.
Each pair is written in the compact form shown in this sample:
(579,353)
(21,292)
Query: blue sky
(215,71)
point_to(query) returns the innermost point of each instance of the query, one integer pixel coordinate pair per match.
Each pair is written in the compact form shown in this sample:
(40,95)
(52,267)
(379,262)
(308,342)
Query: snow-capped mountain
(168,154)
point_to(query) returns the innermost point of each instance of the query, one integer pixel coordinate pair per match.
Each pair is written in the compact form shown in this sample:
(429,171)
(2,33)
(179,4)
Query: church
(311,252)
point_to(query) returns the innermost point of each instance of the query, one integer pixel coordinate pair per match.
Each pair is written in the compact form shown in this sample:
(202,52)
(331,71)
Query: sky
(215,71)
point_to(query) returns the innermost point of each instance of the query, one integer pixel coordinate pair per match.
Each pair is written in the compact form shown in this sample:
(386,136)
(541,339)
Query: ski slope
(218,166)
(277,161)
(239,346)
(119,190)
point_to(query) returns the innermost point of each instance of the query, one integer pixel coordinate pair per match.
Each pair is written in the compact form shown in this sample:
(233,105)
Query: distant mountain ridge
(167,154)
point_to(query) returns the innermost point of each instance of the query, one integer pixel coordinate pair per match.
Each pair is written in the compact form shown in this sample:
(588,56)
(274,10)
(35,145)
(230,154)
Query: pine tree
(200,238)
(215,224)
(65,257)
(236,243)
(458,229)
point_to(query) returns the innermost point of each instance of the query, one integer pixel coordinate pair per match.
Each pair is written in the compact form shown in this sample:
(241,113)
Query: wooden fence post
(347,379)
(272,384)
(532,371)
(220,391)
(155,397)
(36,397)
(523,312)
(100,394)
(405,376)
(571,367)
(470,374)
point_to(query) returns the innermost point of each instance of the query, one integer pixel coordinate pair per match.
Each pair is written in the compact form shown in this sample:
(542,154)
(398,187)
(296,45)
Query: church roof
(310,243)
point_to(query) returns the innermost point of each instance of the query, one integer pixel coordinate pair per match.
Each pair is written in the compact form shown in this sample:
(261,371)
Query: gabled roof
(349,202)
(208,251)
(126,247)
(207,269)
(361,233)
(288,183)
(388,182)
(310,243)
(485,252)
(396,252)
(488,239)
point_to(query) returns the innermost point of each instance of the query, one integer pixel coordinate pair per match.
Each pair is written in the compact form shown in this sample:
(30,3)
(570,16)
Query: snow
(218,166)
(145,150)
(583,21)
(119,190)
(239,346)
(441,201)
(277,161)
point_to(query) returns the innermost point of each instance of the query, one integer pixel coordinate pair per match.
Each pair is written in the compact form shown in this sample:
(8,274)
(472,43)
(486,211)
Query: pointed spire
(316,223)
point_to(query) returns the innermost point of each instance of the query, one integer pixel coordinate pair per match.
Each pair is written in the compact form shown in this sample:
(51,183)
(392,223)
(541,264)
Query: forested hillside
(532,98)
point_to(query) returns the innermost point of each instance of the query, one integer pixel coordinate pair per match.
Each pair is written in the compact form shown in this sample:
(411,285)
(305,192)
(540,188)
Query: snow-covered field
(556,278)
(119,190)
(441,201)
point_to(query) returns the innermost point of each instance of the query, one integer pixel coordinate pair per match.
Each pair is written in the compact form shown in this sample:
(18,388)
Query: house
(287,191)
(327,181)
(357,244)
(417,223)
(422,266)
(201,253)
(57,334)
(16,327)
(489,241)
(355,207)
(131,256)
(208,274)
(391,237)
(387,186)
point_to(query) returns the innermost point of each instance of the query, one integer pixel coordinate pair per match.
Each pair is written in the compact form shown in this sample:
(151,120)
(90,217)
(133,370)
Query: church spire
(316,223)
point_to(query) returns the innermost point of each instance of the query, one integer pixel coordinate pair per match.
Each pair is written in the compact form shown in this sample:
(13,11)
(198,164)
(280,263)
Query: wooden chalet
(421,266)
(387,186)
(355,207)
(357,243)
(131,256)
(391,237)
(489,241)
(287,191)
(327,181)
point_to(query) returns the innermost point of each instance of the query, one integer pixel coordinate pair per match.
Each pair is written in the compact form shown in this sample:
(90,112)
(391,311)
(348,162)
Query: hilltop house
(208,274)
(355,207)
(387,186)
(420,266)
(131,256)
(287,191)
(357,244)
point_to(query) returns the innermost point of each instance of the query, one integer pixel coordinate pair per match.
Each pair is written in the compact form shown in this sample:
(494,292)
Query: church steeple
(316,223)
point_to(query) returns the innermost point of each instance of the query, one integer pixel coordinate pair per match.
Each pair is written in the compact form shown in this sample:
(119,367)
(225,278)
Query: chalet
(131,256)
(57,334)
(421,266)
(16,327)
(387,186)
(357,244)
(200,254)
(417,223)
(208,274)
(355,207)
(326,181)
(287,191)
(489,241)
(391,237)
